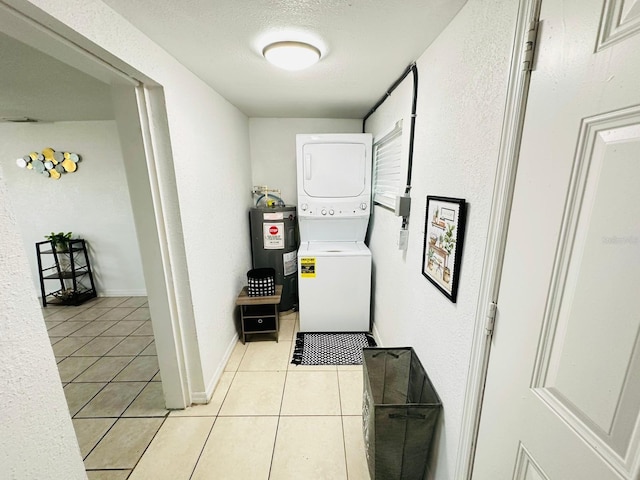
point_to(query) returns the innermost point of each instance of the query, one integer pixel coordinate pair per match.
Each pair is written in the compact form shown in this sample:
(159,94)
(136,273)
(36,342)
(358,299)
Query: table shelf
(259,315)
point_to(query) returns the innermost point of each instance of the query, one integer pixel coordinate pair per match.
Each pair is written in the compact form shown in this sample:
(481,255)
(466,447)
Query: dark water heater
(274,243)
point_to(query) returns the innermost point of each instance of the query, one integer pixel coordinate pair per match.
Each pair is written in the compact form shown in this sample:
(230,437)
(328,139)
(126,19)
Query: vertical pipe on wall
(414,106)
(413,68)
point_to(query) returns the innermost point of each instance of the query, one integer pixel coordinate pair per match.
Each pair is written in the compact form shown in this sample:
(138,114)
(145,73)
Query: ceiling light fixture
(291,55)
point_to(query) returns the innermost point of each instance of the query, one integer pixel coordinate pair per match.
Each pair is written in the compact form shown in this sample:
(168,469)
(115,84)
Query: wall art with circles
(50,163)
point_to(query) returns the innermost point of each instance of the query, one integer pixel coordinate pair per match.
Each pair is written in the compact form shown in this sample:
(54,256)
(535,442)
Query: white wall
(462,90)
(210,146)
(273,148)
(214,186)
(37,439)
(92,202)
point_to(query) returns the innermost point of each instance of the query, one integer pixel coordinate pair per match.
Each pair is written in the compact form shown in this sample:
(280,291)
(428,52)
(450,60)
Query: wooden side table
(259,314)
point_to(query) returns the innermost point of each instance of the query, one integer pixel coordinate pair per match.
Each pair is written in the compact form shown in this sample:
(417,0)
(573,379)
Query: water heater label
(273,216)
(290,263)
(273,235)
(308,267)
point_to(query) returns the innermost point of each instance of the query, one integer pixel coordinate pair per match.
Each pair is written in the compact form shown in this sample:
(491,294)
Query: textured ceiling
(366,45)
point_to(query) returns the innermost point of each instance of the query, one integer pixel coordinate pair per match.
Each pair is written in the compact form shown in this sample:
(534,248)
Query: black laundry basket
(261,282)
(400,413)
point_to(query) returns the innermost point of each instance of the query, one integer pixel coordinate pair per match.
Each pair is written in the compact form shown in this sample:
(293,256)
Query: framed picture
(443,241)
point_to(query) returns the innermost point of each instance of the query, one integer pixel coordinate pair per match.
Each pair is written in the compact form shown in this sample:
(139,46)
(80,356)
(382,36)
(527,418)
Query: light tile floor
(267,419)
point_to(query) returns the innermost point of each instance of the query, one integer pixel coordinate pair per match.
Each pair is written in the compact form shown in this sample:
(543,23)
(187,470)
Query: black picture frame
(443,243)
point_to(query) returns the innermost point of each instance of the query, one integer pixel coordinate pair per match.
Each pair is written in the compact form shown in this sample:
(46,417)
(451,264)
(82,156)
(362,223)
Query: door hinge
(530,46)
(491,318)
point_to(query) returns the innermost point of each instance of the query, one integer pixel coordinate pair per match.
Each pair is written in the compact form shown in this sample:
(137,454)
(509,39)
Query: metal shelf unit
(69,271)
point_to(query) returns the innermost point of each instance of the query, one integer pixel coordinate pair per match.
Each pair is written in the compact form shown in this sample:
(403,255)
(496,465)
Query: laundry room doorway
(142,126)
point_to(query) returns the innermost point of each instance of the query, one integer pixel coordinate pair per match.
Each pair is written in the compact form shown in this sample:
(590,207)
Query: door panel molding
(620,20)
(579,325)
(526,466)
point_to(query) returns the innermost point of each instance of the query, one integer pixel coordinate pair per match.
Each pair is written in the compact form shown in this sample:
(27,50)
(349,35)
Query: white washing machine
(334,203)
(334,286)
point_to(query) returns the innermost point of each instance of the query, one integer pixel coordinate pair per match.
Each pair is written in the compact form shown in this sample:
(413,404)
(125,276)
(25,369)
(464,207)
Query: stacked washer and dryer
(334,204)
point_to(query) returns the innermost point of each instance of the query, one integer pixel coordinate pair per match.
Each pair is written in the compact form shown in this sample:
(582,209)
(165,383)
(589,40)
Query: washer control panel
(337,209)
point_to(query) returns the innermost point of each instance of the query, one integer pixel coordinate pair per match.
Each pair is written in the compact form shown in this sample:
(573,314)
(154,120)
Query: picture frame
(444,229)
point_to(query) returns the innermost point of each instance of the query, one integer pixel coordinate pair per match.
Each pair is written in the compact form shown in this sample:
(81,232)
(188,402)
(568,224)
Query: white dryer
(334,203)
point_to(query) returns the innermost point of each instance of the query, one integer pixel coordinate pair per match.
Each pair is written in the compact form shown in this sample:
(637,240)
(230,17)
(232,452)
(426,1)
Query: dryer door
(334,170)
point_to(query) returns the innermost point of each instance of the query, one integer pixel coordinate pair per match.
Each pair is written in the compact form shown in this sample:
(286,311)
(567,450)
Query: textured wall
(462,88)
(210,146)
(92,202)
(273,148)
(463,85)
(36,435)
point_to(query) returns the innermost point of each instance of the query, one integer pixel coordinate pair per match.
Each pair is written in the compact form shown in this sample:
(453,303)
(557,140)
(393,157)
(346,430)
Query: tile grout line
(119,417)
(110,382)
(284,386)
(215,420)
(104,355)
(101,438)
(204,444)
(344,440)
(164,419)
(234,373)
(73,417)
(101,357)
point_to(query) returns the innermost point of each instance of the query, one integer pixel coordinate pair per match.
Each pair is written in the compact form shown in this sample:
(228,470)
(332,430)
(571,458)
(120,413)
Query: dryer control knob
(363,206)
(324,212)
(331,212)
(304,207)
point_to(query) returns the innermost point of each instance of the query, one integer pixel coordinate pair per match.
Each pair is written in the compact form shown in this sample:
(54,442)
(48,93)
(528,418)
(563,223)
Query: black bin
(400,413)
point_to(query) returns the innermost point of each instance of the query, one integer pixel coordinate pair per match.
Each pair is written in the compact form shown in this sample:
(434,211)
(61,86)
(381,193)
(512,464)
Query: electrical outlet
(403,240)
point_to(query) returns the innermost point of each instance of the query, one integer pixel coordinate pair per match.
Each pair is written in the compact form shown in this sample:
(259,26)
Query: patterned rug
(331,348)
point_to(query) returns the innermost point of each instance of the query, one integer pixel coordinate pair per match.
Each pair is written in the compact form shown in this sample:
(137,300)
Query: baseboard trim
(123,293)
(202,398)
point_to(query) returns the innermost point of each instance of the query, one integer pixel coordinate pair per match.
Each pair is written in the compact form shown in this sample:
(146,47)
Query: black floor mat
(331,348)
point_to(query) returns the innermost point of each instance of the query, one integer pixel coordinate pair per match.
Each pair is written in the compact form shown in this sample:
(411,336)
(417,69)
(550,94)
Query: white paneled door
(562,399)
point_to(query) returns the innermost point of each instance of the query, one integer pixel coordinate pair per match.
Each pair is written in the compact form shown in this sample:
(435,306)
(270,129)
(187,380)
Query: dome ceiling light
(291,55)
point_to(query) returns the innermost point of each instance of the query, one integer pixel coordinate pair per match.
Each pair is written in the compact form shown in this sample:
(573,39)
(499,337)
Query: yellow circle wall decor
(50,163)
